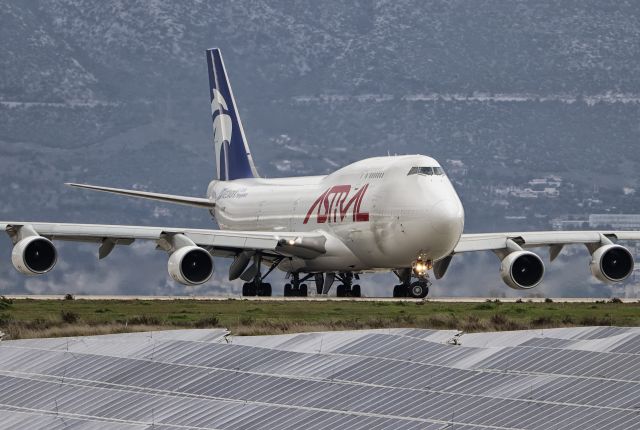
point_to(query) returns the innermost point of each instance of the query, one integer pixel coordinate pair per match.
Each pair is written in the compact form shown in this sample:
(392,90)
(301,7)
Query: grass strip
(27,318)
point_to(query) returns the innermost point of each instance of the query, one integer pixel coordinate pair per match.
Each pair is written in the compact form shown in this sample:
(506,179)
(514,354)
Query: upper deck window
(430,171)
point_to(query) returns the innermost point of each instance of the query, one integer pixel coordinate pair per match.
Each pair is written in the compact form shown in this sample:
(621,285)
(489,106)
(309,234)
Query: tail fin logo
(222,131)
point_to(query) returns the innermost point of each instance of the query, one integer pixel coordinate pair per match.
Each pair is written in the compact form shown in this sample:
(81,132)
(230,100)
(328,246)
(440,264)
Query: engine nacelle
(522,270)
(34,255)
(611,263)
(191,265)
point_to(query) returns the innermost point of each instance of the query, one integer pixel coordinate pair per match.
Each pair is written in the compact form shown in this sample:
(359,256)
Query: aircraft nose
(447,219)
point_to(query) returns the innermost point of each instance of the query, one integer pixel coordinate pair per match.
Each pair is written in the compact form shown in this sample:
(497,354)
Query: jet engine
(191,265)
(611,263)
(34,255)
(522,270)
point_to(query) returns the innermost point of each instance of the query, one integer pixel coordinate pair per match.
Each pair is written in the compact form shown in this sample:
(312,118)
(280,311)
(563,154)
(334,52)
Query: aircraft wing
(218,242)
(167,198)
(554,239)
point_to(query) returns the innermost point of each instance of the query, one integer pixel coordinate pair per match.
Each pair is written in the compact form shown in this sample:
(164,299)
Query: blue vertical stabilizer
(233,158)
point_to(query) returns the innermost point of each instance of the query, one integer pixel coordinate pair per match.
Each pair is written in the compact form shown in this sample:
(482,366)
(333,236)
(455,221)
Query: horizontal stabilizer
(168,198)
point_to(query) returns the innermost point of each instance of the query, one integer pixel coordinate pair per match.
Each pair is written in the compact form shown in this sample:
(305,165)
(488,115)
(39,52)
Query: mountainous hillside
(115,93)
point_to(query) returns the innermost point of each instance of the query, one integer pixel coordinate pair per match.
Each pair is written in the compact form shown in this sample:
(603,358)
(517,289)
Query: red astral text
(332,206)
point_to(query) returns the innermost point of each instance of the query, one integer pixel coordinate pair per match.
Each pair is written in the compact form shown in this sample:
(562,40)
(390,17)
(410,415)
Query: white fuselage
(374,214)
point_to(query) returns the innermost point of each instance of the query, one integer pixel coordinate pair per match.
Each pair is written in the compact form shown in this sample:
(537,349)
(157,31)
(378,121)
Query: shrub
(404,319)
(589,320)
(37,324)
(5,319)
(498,319)
(69,296)
(206,322)
(5,303)
(69,317)
(377,322)
(247,320)
(615,300)
(441,322)
(144,320)
(484,306)
(548,300)
(542,321)
(473,323)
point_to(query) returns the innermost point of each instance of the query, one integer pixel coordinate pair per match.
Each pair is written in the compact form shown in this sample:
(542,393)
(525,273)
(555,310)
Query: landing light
(421,267)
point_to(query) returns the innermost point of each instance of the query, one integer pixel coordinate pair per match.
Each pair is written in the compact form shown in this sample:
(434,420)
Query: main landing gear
(418,289)
(257,287)
(297,287)
(346,288)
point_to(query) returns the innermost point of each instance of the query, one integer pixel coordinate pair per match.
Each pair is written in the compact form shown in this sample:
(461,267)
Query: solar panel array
(579,378)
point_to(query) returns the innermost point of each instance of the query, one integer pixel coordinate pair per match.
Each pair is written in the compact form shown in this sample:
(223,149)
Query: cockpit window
(430,171)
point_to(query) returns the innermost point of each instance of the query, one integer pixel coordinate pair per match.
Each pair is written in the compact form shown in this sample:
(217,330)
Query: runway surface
(325,299)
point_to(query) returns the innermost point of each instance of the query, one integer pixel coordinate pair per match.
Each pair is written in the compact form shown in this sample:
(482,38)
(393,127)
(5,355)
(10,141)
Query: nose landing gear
(417,290)
(420,289)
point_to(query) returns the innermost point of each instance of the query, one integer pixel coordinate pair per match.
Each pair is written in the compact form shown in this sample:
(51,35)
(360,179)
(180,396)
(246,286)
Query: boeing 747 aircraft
(398,214)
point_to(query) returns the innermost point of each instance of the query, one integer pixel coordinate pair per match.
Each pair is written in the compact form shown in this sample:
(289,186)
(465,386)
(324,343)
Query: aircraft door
(293,219)
(261,216)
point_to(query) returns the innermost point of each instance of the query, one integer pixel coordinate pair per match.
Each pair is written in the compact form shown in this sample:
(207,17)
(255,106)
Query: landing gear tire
(248,289)
(418,290)
(399,291)
(264,290)
(290,290)
(345,291)
(356,291)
